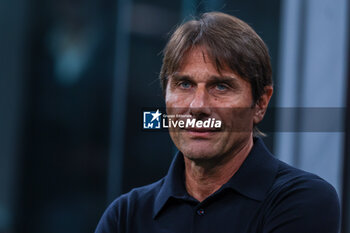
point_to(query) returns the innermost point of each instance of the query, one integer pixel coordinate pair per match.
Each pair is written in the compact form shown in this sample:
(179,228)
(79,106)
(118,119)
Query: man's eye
(221,87)
(185,85)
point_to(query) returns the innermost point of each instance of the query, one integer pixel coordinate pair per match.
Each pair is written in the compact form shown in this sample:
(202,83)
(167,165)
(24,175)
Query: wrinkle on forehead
(197,53)
(202,51)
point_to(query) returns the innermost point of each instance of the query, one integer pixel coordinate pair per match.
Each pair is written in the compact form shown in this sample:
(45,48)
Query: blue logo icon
(151,120)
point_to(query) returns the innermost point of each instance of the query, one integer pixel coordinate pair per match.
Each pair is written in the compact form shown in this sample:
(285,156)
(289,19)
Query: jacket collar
(253,179)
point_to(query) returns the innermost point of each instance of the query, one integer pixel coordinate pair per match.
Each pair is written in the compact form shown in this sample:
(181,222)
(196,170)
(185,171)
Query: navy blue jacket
(264,196)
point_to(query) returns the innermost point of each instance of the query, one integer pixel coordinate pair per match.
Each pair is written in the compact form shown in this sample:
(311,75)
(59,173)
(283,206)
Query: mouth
(201,132)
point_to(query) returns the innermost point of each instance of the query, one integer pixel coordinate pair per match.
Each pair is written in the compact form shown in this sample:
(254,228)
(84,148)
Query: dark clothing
(264,196)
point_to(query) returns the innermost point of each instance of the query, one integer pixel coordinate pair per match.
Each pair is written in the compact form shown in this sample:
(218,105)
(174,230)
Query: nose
(199,107)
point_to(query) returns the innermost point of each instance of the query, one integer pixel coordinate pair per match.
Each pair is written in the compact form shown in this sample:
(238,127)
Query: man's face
(199,91)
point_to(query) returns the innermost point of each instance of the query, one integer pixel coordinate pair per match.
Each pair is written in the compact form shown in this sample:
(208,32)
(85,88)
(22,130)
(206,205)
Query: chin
(200,154)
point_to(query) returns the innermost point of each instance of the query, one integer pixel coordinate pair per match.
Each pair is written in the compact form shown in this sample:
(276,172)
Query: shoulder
(302,201)
(137,196)
(118,212)
(290,179)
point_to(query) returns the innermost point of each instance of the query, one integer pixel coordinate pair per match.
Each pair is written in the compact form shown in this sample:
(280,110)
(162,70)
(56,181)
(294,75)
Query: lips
(200,133)
(201,130)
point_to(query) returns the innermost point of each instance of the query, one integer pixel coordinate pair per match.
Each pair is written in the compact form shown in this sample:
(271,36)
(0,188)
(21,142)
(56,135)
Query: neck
(206,177)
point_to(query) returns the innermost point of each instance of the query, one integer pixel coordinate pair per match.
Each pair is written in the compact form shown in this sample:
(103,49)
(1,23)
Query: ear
(261,104)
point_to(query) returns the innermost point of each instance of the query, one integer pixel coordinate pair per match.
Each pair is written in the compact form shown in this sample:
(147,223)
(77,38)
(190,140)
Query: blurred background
(75,76)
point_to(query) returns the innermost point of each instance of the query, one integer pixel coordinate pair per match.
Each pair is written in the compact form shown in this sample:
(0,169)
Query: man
(222,179)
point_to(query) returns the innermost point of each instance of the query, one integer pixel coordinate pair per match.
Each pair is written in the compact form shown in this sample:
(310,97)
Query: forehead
(196,56)
(197,60)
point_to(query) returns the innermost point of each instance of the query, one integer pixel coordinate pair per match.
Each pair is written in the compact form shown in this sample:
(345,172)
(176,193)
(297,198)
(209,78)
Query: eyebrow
(228,79)
(178,77)
(211,79)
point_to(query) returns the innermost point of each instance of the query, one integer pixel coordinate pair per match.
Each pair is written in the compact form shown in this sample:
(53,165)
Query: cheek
(173,100)
(237,119)
(171,97)
(170,102)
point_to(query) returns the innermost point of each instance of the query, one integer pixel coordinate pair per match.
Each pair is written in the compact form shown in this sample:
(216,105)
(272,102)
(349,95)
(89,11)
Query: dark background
(84,70)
